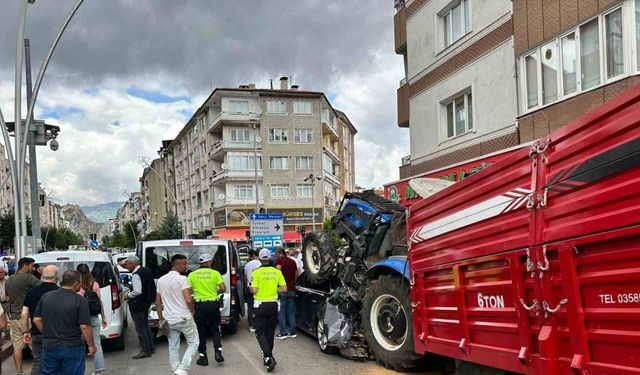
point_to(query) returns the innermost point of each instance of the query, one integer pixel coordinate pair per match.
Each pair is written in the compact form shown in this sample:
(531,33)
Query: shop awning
(230,234)
(291,236)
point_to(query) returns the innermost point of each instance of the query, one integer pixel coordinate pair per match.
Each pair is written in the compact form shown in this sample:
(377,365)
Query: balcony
(403,104)
(331,152)
(331,178)
(237,175)
(219,148)
(331,202)
(329,126)
(400,30)
(220,203)
(215,126)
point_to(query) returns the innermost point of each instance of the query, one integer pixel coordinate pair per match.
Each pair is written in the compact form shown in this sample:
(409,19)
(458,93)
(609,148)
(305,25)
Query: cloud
(130,73)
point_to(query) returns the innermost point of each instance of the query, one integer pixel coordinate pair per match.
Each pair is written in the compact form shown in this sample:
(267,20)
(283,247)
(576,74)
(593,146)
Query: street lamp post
(312,178)
(130,198)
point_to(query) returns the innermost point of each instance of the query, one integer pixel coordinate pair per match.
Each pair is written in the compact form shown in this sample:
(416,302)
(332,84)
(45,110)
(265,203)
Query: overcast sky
(129,73)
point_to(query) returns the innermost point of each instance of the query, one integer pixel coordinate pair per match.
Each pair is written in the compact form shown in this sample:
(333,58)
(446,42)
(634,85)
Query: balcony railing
(248,175)
(331,152)
(224,116)
(219,148)
(328,123)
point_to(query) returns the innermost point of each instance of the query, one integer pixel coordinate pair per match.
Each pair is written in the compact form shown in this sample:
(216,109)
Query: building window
(279,162)
(588,56)
(242,191)
(304,162)
(276,106)
(242,162)
(199,200)
(280,191)
(277,135)
(304,135)
(302,107)
(240,135)
(239,107)
(305,191)
(459,115)
(613,43)
(327,164)
(455,21)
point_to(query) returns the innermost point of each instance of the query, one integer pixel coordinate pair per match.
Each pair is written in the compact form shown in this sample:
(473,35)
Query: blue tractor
(368,312)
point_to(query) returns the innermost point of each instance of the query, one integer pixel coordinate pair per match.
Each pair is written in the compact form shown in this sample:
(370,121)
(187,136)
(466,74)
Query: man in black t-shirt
(33,337)
(63,318)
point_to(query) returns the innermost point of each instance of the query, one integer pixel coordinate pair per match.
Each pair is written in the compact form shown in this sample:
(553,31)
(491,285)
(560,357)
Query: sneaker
(22,373)
(202,360)
(218,356)
(292,335)
(252,330)
(281,336)
(270,363)
(180,372)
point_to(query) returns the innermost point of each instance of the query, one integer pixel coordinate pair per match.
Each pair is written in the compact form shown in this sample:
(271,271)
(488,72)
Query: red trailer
(533,265)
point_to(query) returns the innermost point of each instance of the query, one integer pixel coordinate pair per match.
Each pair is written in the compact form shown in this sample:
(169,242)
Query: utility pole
(33,163)
(312,178)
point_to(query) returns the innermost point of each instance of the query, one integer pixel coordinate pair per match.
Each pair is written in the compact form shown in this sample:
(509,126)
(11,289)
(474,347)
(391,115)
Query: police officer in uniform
(267,281)
(206,284)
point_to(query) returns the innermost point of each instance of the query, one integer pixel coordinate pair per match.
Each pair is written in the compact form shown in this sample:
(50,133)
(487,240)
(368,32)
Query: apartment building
(247,147)
(154,196)
(572,57)
(459,96)
(132,210)
(50,212)
(6,186)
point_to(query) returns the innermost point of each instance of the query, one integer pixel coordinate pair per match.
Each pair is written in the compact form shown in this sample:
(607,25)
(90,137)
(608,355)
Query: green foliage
(131,233)
(60,238)
(7,229)
(170,228)
(117,239)
(106,240)
(153,236)
(326,227)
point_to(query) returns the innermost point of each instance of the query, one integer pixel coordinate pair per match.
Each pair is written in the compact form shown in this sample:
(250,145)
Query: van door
(239,277)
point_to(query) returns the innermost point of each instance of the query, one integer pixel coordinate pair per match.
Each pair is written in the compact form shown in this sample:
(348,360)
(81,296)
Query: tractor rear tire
(318,257)
(387,323)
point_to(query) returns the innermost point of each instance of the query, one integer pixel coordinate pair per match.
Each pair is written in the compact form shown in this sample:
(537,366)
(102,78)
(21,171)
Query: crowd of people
(59,317)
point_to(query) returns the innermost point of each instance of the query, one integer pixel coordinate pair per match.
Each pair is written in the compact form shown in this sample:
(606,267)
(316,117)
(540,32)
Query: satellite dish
(221,196)
(258,139)
(223,166)
(426,187)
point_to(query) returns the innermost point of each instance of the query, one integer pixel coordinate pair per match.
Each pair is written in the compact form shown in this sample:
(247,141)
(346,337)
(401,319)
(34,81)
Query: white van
(102,269)
(156,255)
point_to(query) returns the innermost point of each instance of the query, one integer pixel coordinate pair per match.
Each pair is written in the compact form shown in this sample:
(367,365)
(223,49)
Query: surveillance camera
(54,145)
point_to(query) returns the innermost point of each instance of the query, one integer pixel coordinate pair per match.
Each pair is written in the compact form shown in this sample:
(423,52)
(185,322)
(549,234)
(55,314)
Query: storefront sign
(294,216)
(220,218)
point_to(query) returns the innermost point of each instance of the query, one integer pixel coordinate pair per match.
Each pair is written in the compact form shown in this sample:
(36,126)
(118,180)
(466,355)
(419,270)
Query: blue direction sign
(266,230)
(94,244)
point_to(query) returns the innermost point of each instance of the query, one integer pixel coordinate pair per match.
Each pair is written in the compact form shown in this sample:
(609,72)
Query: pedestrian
(267,281)
(175,305)
(287,312)
(4,301)
(297,257)
(140,300)
(248,269)
(90,289)
(3,325)
(206,284)
(33,337)
(37,271)
(63,318)
(16,288)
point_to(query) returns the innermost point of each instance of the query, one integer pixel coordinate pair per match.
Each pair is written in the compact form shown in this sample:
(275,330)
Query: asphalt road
(242,356)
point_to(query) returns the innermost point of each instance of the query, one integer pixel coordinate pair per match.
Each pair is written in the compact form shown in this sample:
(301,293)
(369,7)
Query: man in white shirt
(248,269)
(297,257)
(175,305)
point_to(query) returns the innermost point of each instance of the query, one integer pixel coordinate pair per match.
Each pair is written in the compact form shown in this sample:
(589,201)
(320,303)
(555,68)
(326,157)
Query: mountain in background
(101,213)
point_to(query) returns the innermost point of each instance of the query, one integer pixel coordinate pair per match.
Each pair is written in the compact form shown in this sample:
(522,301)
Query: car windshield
(158,258)
(101,271)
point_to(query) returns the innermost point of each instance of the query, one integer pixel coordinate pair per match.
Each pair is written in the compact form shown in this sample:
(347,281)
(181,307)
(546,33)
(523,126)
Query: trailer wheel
(387,324)
(318,256)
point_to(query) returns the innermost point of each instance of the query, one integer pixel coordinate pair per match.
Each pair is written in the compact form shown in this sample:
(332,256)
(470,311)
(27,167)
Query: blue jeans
(188,328)
(287,313)
(69,361)
(98,359)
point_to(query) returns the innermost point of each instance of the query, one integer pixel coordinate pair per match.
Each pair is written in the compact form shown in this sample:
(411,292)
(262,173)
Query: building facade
(572,56)
(247,148)
(459,94)
(6,186)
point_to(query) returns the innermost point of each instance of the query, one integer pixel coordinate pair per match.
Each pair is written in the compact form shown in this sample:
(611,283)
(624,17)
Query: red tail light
(234,277)
(115,297)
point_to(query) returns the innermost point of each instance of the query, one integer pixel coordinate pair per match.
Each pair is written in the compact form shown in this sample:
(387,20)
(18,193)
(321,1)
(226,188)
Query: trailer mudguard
(396,264)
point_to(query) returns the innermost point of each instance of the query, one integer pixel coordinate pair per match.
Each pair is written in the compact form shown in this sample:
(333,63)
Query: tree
(170,228)
(60,238)
(106,240)
(153,236)
(131,233)
(8,231)
(118,239)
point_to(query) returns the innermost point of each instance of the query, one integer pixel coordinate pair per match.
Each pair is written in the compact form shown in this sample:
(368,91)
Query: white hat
(204,258)
(264,254)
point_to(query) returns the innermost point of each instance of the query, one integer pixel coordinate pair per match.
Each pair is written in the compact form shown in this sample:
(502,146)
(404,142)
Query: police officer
(206,284)
(267,281)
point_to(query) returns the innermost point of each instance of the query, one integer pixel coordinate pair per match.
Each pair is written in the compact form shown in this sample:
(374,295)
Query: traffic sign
(266,230)
(94,244)
(266,224)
